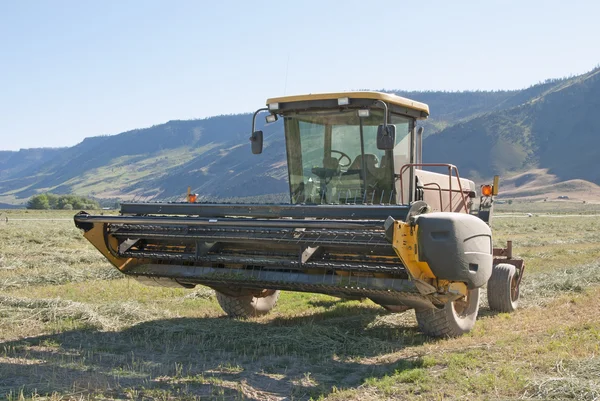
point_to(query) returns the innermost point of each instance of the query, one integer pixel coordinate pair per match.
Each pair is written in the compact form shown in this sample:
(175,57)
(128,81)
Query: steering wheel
(342,156)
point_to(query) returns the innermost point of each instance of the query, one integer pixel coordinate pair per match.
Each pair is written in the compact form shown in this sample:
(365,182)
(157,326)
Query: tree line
(62,202)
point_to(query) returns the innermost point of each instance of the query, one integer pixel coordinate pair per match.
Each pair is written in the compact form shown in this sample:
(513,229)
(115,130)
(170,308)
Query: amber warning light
(486,190)
(190,196)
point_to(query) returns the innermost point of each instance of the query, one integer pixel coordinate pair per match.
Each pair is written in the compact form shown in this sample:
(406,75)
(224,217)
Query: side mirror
(386,137)
(257,142)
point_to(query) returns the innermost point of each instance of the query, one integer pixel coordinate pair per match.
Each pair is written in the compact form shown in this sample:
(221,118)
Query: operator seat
(353,177)
(380,184)
(331,163)
(370,160)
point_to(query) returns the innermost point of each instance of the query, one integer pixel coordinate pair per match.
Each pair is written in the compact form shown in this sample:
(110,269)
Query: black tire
(453,320)
(503,288)
(247,305)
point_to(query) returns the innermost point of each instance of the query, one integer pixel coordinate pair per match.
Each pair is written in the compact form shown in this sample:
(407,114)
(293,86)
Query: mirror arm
(254,117)
(385,111)
(420,144)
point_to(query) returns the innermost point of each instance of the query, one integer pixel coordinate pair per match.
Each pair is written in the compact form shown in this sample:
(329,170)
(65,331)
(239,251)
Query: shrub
(39,202)
(65,202)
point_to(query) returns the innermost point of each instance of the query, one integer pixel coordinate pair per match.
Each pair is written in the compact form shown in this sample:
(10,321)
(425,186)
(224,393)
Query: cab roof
(390,99)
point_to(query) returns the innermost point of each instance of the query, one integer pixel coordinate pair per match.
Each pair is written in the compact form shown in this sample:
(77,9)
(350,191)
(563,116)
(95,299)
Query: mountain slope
(551,125)
(25,161)
(559,130)
(539,183)
(144,161)
(449,108)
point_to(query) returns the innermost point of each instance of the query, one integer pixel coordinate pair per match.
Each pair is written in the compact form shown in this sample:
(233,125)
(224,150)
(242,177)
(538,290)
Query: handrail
(451,168)
(439,190)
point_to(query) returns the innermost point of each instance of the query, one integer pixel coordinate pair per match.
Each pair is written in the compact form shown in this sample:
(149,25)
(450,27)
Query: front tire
(246,306)
(503,288)
(453,320)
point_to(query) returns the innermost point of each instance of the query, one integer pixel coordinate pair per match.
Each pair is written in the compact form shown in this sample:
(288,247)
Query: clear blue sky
(73,69)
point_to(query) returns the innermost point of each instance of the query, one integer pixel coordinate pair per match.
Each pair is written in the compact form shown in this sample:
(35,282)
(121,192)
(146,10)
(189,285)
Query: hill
(538,184)
(25,161)
(163,160)
(558,129)
(552,126)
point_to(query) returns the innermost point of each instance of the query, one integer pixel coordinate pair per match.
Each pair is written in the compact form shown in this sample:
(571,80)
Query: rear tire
(247,305)
(453,320)
(503,288)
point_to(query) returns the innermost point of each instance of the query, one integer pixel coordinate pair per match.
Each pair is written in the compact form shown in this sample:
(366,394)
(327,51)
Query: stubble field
(72,327)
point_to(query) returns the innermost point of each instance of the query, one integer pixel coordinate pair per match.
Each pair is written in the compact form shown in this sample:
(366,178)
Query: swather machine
(366,219)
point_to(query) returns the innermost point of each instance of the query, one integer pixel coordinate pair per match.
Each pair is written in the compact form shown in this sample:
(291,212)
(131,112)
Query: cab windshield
(333,157)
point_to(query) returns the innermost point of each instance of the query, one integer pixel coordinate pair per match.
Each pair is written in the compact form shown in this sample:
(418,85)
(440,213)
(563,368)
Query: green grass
(72,327)
(550,207)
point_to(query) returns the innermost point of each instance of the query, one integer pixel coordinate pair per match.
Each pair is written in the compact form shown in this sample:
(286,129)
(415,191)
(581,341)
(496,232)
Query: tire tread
(246,306)
(498,289)
(442,323)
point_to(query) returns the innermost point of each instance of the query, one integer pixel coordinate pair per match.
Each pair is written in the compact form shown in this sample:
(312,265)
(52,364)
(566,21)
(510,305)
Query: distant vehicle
(563,197)
(365,220)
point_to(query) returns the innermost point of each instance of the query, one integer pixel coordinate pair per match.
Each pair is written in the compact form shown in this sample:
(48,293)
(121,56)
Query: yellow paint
(458,287)
(96,237)
(405,245)
(386,97)
(496,185)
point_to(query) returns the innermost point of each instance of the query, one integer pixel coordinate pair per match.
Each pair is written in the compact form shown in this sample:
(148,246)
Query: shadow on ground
(215,358)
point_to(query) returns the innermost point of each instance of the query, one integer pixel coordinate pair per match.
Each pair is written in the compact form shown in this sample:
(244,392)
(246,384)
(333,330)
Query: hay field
(72,327)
